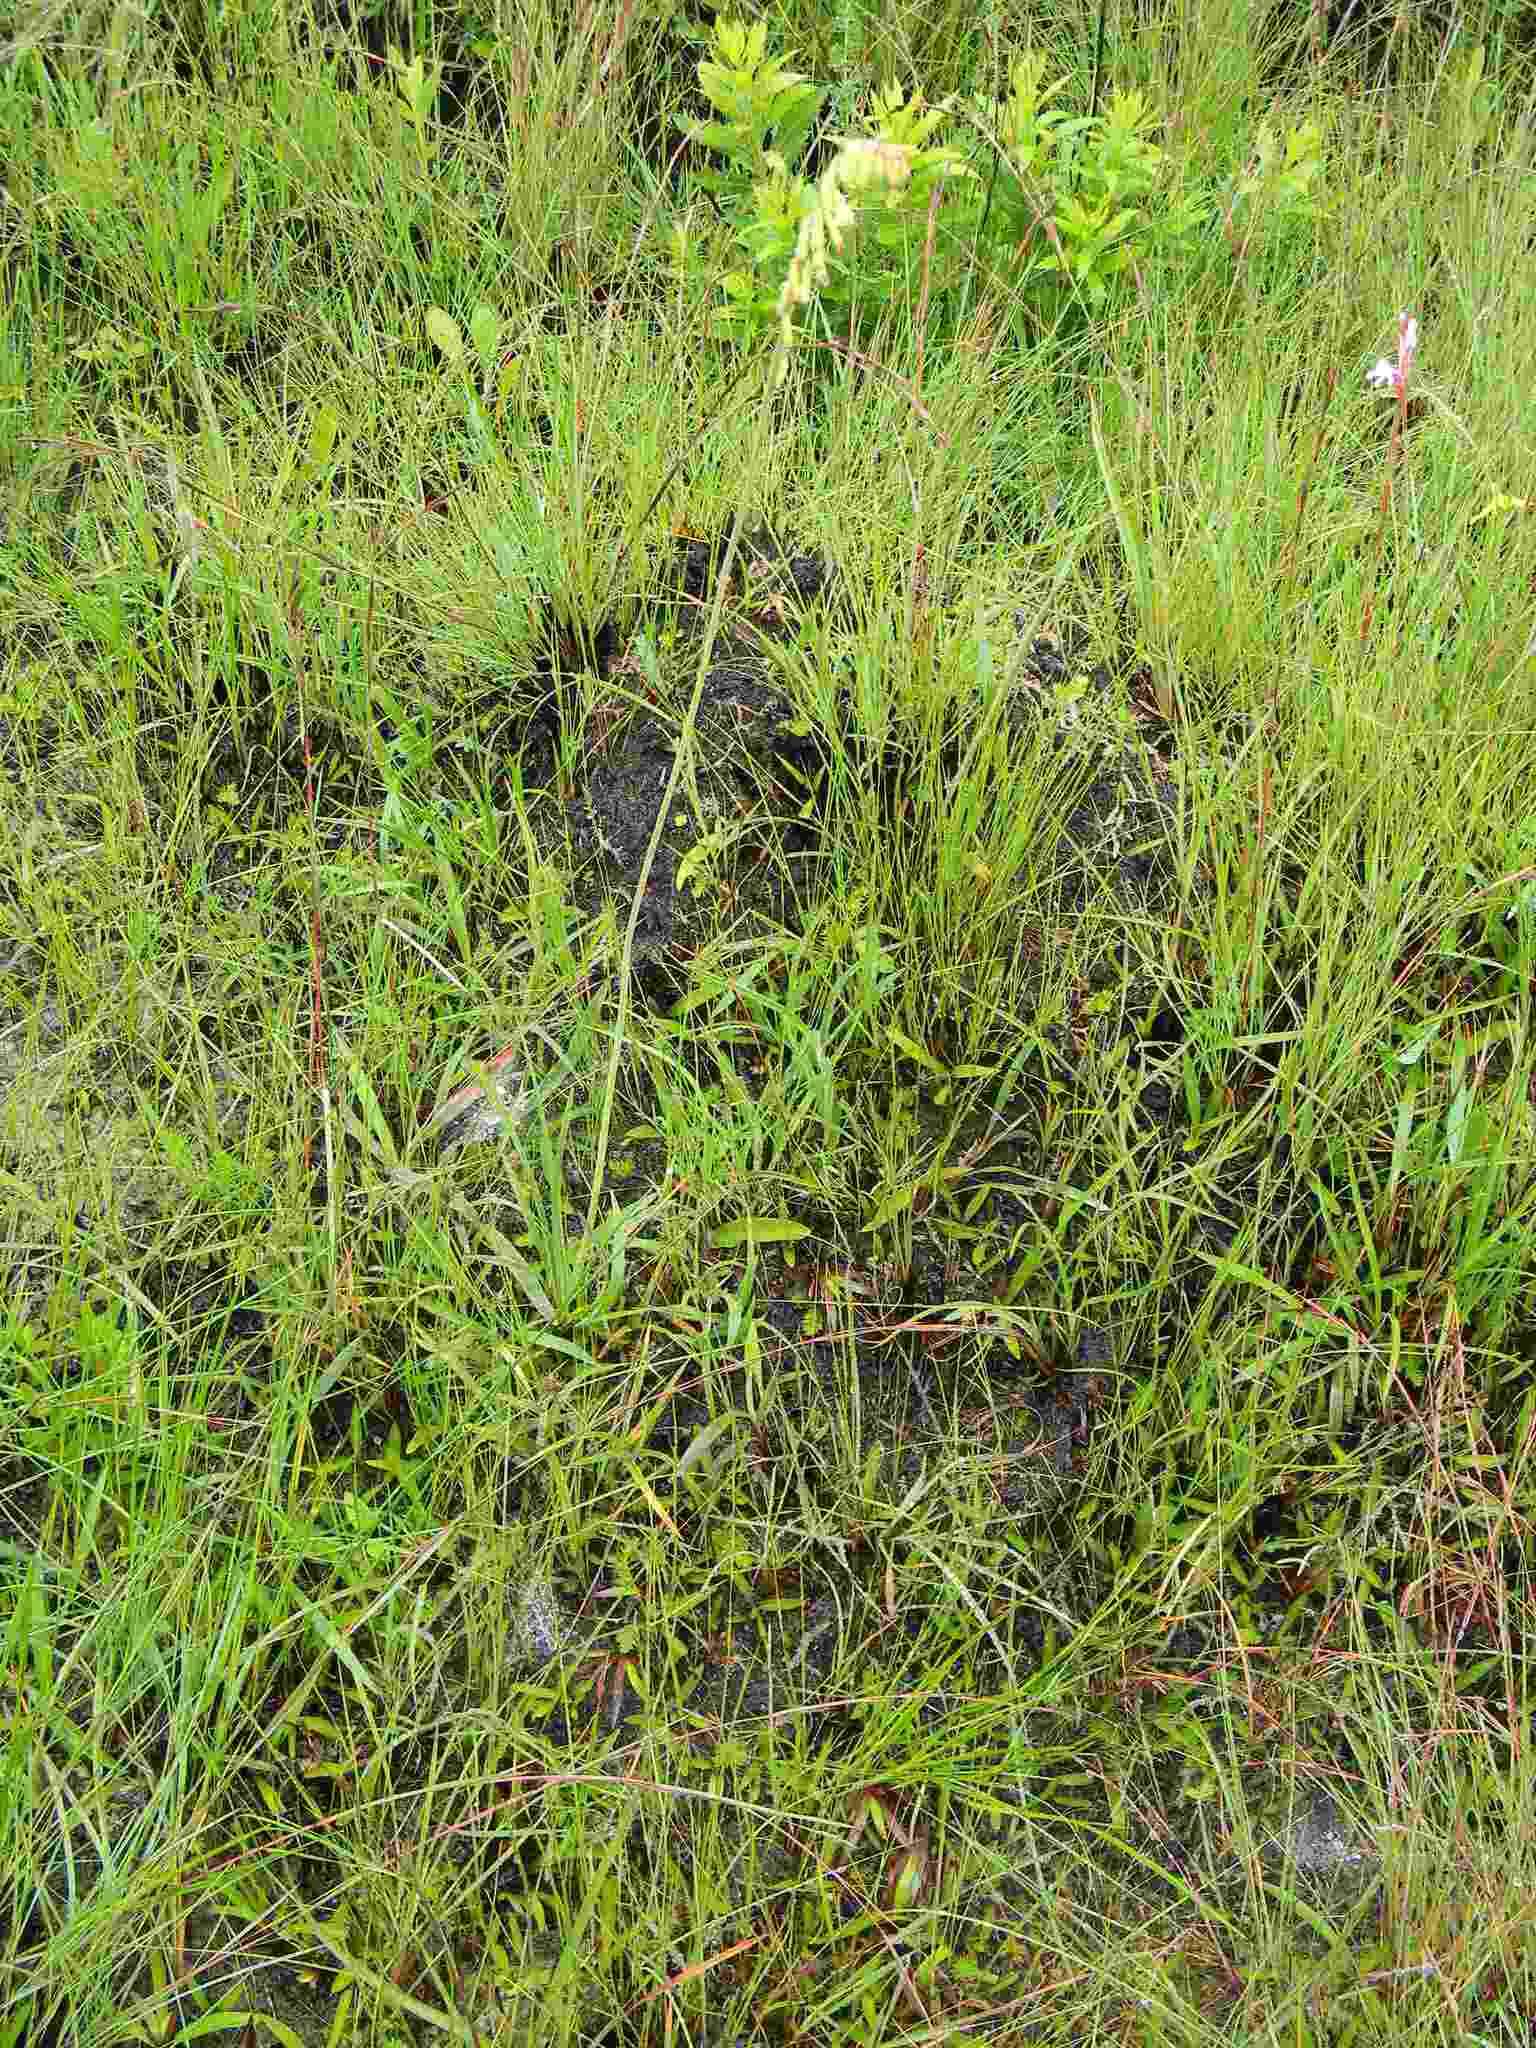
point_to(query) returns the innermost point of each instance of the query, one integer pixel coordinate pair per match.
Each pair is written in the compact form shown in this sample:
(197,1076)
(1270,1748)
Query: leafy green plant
(756,98)
(484,344)
(416,83)
(1277,184)
(792,231)
(1079,197)
(1070,205)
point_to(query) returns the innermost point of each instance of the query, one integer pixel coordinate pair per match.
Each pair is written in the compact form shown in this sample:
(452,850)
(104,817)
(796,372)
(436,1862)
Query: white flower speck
(1384,374)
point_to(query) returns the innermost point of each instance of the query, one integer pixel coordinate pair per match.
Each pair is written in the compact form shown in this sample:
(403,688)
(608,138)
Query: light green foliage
(1279,183)
(790,229)
(416,85)
(1079,196)
(1077,199)
(1471,101)
(755,97)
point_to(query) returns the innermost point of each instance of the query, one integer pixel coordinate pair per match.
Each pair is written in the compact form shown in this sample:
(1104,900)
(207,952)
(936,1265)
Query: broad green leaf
(504,1253)
(444,330)
(322,439)
(225,2023)
(758,1230)
(704,1443)
(1412,1053)
(485,333)
(892,1207)
(1501,502)
(914,1051)
(1456,1125)
(711,135)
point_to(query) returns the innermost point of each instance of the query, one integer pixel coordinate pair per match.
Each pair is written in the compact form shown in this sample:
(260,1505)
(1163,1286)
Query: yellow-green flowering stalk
(862,164)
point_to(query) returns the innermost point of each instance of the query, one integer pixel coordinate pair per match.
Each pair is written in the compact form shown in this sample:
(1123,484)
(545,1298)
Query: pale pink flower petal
(1384,374)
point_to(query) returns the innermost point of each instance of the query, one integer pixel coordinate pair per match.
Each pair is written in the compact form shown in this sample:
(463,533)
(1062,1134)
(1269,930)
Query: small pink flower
(1384,374)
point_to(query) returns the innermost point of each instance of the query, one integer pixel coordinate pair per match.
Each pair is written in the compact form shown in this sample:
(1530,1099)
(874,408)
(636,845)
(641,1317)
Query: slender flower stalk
(1385,375)
(860,166)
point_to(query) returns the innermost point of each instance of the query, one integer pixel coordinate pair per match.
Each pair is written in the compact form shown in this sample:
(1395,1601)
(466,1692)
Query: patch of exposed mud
(729,844)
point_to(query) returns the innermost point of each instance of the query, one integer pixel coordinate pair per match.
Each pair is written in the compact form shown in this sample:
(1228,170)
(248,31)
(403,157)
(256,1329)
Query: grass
(954,1462)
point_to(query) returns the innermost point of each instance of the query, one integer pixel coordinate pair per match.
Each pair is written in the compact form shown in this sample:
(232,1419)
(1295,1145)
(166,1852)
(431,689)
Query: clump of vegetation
(1050,208)
(766,1075)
